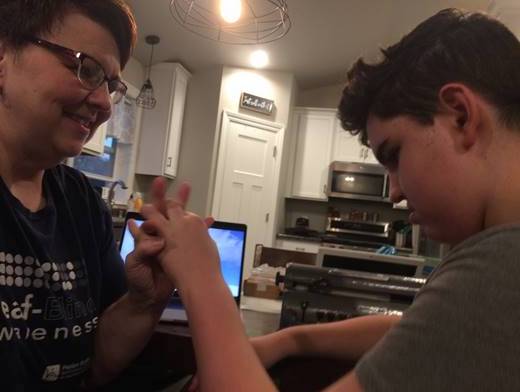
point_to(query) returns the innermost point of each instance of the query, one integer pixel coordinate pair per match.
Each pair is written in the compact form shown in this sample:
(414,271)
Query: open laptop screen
(230,239)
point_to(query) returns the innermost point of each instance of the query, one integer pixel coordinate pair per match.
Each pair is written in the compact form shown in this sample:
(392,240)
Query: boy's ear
(461,103)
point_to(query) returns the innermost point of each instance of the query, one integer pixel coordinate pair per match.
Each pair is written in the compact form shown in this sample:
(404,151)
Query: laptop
(230,239)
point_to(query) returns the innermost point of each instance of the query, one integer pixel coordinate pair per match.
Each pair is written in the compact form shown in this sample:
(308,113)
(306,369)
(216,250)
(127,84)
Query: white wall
(134,73)
(508,12)
(198,136)
(321,97)
(210,92)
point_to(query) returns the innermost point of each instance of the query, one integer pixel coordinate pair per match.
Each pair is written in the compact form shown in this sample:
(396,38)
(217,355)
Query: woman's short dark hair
(451,46)
(22,18)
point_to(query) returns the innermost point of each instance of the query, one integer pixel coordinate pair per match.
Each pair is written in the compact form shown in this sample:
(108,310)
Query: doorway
(246,184)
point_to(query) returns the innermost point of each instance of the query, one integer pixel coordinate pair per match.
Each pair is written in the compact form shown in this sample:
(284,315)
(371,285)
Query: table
(169,356)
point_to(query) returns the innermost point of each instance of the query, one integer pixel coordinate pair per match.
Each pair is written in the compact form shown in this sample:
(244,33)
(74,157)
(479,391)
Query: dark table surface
(169,356)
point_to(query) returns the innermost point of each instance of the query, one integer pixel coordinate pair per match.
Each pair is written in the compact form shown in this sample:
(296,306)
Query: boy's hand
(189,257)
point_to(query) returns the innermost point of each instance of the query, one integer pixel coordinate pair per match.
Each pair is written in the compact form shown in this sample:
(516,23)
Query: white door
(247,176)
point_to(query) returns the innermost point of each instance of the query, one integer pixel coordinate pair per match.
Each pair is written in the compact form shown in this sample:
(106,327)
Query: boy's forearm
(218,334)
(348,339)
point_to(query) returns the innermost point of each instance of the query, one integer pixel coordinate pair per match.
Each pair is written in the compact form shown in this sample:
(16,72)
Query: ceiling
(326,37)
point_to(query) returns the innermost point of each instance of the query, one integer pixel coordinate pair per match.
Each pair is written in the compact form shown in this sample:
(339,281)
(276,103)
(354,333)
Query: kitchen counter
(431,262)
(284,236)
(118,222)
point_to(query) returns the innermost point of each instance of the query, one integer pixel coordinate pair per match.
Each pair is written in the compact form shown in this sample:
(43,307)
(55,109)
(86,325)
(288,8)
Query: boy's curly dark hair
(451,46)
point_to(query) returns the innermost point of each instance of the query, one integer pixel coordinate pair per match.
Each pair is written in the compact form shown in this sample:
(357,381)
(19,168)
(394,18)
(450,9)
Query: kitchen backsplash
(317,211)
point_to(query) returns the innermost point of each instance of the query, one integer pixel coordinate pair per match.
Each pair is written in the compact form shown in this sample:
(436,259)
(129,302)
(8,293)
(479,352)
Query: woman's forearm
(123,331)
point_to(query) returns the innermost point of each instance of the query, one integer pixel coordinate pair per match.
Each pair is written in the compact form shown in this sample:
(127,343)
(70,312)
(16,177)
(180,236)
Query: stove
(355,234)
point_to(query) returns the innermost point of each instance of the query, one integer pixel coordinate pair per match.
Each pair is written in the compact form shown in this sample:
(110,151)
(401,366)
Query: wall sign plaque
(258,104)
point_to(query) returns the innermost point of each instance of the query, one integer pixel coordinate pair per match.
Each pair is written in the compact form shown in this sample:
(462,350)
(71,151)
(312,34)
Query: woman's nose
(100,98)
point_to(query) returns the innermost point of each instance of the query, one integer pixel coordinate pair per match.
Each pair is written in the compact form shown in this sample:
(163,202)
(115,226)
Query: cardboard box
(261,289)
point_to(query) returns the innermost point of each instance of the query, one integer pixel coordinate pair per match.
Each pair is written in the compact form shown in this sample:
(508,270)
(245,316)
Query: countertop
(118,222)
(284,236)
(432,261)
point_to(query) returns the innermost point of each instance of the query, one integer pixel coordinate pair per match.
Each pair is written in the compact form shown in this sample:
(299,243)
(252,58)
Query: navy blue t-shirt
(59,270)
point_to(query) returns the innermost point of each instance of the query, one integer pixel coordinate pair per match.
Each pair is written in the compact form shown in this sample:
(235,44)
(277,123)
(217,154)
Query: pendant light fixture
(146,99)
(240,22)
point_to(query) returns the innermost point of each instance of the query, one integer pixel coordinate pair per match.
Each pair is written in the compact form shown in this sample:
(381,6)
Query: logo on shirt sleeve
(51,373)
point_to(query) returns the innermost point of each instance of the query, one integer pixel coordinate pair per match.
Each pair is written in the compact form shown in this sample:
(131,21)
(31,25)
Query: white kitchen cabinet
(348,148)
(161,127)
(402,205)
(314,130)
(370,157)
(300,246)
(96,145)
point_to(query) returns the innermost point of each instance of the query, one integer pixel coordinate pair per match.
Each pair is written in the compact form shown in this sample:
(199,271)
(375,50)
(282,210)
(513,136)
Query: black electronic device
(316,294)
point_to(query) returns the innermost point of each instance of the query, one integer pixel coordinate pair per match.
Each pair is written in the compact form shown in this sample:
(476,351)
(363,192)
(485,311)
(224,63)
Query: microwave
(354,180)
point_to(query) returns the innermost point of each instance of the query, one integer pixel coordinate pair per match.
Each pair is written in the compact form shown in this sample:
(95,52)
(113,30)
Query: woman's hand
(147,282)
(189,257)
(148,285)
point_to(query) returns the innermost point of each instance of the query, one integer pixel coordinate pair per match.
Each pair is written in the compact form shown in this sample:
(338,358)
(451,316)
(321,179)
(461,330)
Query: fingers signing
(183,194)
(134,230)
(209,221)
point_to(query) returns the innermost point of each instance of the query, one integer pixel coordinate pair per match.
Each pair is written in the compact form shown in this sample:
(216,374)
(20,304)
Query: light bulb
(259,59)
(230,10)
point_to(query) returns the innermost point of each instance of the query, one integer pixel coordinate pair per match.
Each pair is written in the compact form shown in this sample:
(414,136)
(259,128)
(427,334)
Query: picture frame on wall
(256,103)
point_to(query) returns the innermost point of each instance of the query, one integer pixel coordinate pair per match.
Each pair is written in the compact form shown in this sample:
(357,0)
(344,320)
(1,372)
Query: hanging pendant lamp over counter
(146,99)
(239,22)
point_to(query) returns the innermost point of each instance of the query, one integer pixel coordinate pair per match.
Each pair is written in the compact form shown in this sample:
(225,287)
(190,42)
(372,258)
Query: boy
(441,111)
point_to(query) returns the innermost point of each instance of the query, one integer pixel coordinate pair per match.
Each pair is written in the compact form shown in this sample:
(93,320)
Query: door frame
(277,128)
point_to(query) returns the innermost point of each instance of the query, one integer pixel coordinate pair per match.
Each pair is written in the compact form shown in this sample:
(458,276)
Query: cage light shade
(261,21)
(146,99)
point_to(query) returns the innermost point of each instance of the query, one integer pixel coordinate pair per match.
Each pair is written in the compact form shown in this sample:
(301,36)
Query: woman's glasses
(89,72)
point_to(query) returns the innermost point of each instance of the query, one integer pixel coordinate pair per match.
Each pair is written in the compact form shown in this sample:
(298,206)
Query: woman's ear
(461,104)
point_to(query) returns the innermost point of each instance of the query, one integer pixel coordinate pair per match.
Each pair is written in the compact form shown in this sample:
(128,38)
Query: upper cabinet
(314,130)
(319,140)
(96,145)
(161,127)
(347,148)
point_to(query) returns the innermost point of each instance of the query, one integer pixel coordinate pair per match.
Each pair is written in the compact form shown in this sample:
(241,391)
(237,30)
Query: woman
(66,315)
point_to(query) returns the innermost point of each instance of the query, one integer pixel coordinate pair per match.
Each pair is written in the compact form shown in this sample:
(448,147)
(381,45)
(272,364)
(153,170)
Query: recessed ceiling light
(230,10)
(259,58)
